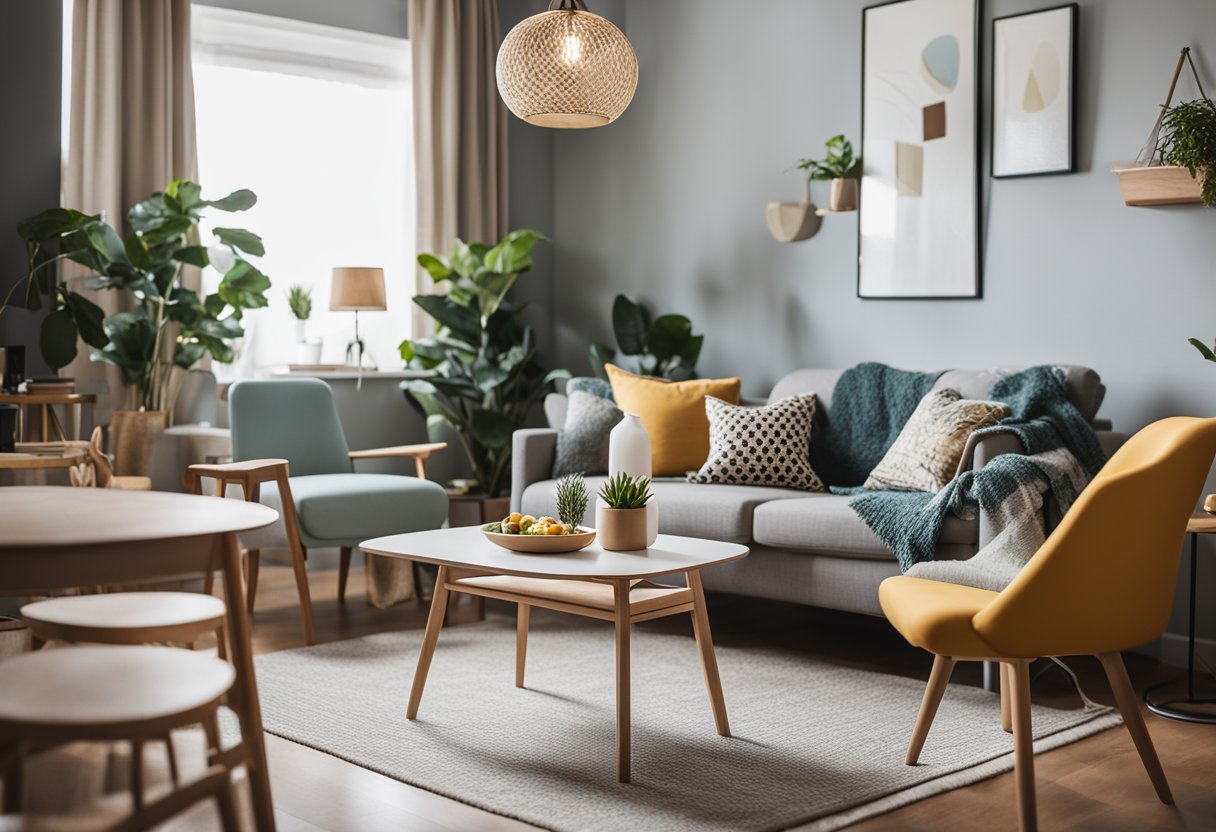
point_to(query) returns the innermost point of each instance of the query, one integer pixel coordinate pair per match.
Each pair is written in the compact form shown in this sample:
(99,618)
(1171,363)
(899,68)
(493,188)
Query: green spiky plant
(624,491)
(299,300)
(572,499)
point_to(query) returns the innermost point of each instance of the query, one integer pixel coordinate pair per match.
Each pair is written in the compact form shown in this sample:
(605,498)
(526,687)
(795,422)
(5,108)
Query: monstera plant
(485,373)
(169,325)
(665,347)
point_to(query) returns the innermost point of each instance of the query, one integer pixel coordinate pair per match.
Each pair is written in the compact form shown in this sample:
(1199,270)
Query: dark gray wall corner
(29,146)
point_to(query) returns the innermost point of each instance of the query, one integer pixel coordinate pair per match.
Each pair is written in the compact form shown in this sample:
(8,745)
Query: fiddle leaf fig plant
(840,163)
(169,326)
(486,376)
(665,347)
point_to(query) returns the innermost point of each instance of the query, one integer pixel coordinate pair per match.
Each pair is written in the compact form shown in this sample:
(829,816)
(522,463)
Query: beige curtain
(132,124)
(460,129)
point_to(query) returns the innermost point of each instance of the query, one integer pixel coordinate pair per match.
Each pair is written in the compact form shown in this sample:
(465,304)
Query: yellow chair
(1102,582)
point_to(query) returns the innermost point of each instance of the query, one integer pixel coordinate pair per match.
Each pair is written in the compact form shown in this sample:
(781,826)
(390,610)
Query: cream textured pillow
(927,452)
(760,445)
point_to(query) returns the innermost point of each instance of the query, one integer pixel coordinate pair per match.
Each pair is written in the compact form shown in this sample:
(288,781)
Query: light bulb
(572,49)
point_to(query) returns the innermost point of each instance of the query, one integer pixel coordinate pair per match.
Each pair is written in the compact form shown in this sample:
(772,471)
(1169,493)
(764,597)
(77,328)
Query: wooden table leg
(249,710)
(522,616)
(623,729)
(434,623)
(709,661)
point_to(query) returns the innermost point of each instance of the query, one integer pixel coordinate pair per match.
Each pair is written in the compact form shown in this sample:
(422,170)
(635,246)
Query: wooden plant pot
(1157,184)
(790,222)
(132,435)
(844,195)
(621,529)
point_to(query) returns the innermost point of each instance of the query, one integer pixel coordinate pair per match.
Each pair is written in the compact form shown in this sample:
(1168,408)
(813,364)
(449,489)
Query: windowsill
(368,375)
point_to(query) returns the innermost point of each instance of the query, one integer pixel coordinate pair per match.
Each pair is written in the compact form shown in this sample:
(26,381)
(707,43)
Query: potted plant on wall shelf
(169,328)
(620,520)
(485,375)
(841,167)
(1177,164)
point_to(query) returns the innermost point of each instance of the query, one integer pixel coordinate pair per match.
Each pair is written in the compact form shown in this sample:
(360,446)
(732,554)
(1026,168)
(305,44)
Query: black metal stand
(1166,708)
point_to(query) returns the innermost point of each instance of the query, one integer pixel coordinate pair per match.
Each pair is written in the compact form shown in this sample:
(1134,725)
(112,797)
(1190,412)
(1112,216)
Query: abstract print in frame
(918,230)
(1034,59)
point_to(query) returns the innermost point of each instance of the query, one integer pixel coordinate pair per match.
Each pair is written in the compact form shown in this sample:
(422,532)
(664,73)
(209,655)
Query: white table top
(41,516)
(467,547)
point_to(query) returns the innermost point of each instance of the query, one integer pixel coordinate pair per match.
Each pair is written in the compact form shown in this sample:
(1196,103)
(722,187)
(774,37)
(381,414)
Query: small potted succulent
(841,167)
(620,519)
(299,301)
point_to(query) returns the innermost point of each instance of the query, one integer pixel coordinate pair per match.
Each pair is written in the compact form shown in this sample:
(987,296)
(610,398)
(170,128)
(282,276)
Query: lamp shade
(357,289)
(567,67)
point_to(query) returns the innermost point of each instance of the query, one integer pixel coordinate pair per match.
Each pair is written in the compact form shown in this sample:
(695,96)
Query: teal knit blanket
(1050,429)
(870,405)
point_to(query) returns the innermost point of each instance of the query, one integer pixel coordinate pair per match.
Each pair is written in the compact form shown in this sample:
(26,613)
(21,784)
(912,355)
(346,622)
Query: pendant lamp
(567,67)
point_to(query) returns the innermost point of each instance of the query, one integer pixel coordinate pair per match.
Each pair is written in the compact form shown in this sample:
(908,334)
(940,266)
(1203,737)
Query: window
(316,120)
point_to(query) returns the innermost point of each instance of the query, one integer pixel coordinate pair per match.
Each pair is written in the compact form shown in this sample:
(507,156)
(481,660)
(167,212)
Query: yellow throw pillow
(673,413)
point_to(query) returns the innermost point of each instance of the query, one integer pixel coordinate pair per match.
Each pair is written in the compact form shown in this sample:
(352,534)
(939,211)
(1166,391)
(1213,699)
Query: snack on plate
(516,523)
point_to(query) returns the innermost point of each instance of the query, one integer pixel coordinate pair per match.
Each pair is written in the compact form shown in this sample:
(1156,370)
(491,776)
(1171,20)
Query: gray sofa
(806,548)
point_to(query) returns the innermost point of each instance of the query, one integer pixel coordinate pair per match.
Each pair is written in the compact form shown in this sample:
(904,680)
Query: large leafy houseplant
(170,326)
(665,347)
(486,377)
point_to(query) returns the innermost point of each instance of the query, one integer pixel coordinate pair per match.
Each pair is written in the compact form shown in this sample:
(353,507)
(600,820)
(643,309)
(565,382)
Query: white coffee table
(611,586)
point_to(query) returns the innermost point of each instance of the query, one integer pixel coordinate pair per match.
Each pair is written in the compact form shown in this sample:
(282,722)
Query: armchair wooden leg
(1023,745)
(291,525)
(253,558)
(522,616)
(343,572)
(939,678)
(1133,718)
(1006,712)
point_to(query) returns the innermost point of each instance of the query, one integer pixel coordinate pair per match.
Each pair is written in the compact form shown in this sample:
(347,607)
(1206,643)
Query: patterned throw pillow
(926,454)
(760,445)
(582,444)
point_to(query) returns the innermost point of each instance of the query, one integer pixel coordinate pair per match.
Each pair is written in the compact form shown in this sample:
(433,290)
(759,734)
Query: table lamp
(357,289)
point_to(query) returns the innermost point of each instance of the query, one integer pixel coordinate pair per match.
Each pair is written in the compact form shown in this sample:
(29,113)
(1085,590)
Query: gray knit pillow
(582,444)
(760,445)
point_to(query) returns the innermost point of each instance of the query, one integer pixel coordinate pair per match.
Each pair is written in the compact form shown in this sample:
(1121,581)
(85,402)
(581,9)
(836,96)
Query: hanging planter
(1175,169)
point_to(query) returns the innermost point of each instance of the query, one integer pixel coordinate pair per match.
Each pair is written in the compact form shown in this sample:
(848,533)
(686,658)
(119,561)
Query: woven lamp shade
(567,68)
(357,289)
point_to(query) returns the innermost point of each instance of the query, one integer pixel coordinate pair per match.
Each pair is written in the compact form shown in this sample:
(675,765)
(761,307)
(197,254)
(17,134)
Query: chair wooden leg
(171,754)
(137,774)
(434,623)
(252,563)
(211,730)
(343,572)
(939,678)
(1023,745)
(209,583)
(522,616)
(1133,718)
(623,726)
(226,804)
(709,661)
(12,773)
(291,524)
(1006,712)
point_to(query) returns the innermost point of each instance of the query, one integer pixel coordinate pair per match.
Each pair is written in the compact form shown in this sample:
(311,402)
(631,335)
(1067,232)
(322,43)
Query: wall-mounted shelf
(1156,184)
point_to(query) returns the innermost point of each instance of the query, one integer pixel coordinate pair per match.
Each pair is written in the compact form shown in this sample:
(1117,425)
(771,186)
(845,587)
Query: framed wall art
(1034,59)
(918,229)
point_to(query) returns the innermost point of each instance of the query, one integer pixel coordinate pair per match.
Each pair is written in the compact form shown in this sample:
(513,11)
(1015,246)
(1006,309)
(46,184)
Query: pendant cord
(567,6)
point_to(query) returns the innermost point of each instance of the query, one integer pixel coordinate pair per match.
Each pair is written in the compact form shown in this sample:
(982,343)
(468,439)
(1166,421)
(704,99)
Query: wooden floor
(1094,784)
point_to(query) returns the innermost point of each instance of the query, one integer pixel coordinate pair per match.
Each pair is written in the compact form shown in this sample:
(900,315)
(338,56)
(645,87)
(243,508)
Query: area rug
(815,745)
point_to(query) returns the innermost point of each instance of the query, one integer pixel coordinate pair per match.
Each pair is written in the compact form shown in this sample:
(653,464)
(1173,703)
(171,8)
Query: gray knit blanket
(1024,495)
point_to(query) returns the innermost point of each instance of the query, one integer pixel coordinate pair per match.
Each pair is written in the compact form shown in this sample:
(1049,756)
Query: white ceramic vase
(629,451)
(301,331)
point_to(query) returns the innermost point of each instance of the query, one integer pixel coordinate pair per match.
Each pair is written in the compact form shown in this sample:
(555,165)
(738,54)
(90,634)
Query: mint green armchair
(332,505)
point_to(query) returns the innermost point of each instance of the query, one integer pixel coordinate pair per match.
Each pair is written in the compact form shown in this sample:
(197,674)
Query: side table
(1200,523)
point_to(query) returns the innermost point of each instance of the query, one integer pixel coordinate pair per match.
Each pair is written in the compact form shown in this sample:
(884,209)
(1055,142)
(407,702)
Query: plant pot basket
(790,222)
(1156,184)
(132,435)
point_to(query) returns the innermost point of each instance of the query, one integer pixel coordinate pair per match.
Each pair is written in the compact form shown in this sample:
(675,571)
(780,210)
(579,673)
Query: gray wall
(30,64)
(667,204)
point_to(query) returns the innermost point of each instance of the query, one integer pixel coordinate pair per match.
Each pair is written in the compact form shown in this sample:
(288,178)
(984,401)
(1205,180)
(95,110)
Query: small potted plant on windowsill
(299,301)
(620,520)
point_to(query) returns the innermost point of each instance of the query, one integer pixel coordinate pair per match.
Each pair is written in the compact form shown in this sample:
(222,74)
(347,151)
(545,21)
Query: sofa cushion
(346,509)
(582,446)
(824,524)
(767,445)
(716,512)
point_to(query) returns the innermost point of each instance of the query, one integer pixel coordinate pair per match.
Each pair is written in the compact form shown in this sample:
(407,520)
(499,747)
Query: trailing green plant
(170,326)
(840,163)
(299,300)
(665,347)
(1188,139)
(572,499)
(624,491)
(486,376)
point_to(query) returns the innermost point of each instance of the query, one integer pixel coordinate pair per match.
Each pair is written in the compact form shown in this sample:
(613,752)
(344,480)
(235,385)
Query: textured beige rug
(814,744)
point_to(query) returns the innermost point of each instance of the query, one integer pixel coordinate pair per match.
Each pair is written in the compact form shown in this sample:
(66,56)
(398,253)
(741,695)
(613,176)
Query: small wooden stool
(134,618)
(132,693)
(250,475)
